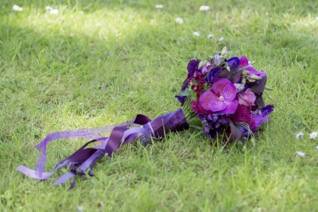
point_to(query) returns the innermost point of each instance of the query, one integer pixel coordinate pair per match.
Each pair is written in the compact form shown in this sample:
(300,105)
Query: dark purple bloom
(181,98)
(254,119)
(213,74)
(220,98)
(193,66)
(233,63)
(261,117)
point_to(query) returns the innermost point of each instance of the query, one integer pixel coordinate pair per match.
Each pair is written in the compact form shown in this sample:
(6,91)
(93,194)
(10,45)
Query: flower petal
(210,102)
(231,107)
(243,61)
(219,86)
(213,74)
(243,114)
(192,67)
(233,63)
(247,98)
(225,88)
(262,118)
(229,92)
(253,72)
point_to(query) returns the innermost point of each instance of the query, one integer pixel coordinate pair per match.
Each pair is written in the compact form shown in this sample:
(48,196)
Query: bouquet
(225,96)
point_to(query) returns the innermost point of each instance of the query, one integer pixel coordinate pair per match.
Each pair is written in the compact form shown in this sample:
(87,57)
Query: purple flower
(247,98)
(206,68)
(243,61)
(220,98)
(213,74)
(252,72)
(255,119)
(193,66)
(262,116)
(233,63)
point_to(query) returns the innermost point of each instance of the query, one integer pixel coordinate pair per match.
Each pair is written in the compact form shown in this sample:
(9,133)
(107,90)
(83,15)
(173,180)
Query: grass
(102,62)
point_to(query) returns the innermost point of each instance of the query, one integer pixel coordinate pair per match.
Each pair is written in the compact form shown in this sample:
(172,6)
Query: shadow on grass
(50,69)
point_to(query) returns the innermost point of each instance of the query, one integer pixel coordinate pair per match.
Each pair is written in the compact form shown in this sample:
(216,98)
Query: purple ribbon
(85,158)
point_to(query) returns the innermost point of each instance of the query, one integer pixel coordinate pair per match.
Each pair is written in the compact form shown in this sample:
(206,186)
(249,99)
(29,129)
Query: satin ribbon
(85,158)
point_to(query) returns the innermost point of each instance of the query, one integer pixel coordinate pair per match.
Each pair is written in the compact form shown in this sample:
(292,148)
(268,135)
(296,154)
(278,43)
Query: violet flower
(251,71)
(254,119)
(233,63)
(193,66)
(247,98)
(220,98)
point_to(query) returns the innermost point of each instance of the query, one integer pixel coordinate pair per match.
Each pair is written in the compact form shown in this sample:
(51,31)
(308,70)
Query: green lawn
(102,62)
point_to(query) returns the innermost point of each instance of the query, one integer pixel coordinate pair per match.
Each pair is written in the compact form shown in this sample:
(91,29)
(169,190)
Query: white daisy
(17,8)
(300,154)
(197,34)
(179,20)
(80,209)
(210,36)
(313,135)
(159,6)
(51,10)
(299,135)
(221,39)
(204,8)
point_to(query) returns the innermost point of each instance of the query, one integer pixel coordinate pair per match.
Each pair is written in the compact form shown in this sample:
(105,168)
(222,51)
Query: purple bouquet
(225,95)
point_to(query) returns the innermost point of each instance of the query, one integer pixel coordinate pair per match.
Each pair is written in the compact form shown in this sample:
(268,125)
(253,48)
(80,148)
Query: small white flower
(159,6)
(51,10)
(217,59)
(17,8)
(313,135)
(221,39)
(80,209)
(179,20)
(299,135)
(300,154)
(204,8)
(197,34)
(316,147)
(239,86)
(210,36)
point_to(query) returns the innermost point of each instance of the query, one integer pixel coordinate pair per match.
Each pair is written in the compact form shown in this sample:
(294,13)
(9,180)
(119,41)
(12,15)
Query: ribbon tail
(39,172)
(85,158)
(33,173)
